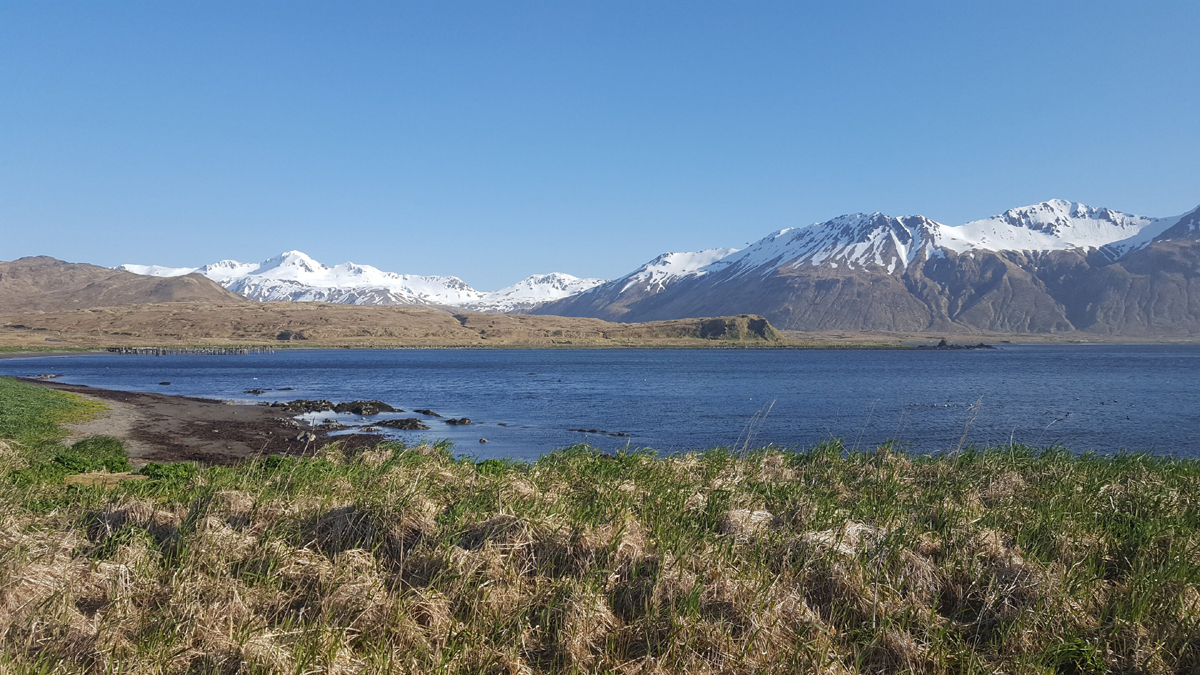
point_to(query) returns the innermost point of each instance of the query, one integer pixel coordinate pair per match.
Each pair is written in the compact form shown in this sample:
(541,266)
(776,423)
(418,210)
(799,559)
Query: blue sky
(492,140)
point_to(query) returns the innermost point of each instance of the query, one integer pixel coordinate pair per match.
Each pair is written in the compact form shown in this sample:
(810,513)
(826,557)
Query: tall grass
(407,559)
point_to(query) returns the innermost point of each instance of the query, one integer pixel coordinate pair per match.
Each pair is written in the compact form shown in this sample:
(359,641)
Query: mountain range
(1057,266)
(295,277)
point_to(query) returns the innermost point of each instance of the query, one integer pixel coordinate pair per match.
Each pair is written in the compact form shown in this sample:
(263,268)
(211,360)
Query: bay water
(527,402)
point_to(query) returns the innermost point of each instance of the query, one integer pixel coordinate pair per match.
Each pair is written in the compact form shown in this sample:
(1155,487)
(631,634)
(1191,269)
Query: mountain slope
(295,277)
(610,300)
(45,284)
(1051,267)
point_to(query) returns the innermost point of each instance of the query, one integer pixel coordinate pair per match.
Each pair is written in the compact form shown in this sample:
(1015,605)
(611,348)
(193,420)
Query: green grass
(407,559)
(32,415)
(30,419)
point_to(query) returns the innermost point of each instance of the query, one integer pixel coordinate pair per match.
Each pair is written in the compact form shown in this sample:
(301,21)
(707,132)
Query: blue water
(1086,397)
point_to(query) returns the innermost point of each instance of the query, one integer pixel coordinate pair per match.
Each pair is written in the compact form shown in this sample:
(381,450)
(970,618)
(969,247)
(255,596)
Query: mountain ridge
(1056,266)
(293,276)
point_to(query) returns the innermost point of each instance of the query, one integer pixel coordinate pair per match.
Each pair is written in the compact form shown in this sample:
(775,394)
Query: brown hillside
(46,284)
(313,324)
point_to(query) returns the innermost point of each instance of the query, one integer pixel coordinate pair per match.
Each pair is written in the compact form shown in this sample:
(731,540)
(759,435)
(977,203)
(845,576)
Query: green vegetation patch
(31,436)
(407,559)
(31,414)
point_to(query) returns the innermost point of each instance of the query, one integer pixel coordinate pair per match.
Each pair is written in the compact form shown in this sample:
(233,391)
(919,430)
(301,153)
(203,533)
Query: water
(1086,397)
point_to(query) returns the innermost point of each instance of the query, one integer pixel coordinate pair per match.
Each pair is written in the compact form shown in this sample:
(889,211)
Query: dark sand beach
(164,428)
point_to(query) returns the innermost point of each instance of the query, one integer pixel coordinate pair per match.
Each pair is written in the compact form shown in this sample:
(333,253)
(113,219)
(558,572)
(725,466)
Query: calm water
(1103,398)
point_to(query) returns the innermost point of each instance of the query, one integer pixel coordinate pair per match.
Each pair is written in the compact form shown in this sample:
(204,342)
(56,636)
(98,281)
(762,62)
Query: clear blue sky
(492,140)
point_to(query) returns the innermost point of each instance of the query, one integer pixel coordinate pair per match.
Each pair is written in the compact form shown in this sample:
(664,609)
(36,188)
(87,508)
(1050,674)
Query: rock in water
(459,422)
(406,424)
(364,407)
(304,406)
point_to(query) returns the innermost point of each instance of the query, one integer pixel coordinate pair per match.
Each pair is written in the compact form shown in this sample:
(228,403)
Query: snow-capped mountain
(533,291)
(850,240)
(650,279)
(671,267)
(1053,266)
(1048,267)
(860,239)
(295,277)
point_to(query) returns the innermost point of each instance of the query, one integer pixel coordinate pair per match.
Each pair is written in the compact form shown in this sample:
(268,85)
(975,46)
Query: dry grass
(408,560)
(101,479)
(177,324)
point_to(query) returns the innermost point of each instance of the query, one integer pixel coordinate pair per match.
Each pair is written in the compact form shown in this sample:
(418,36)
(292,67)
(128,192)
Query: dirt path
(162,428)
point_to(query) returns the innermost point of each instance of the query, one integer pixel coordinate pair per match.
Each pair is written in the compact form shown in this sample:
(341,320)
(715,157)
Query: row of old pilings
(191,351)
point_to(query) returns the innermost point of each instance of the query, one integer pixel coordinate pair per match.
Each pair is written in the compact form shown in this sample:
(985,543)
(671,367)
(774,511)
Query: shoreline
(906,345)
(169,428)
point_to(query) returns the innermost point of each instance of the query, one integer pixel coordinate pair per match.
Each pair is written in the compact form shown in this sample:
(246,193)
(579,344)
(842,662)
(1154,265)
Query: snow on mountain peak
(293,263)
(534,290)
(860,239)
(1059,216)
(295,276)
(226,270)
(852,240)
(157,270)
(1052,225)
(669,267)
(539,284)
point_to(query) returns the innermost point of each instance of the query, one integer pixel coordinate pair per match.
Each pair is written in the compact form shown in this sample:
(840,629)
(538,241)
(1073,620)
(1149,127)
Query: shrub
(178,471)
